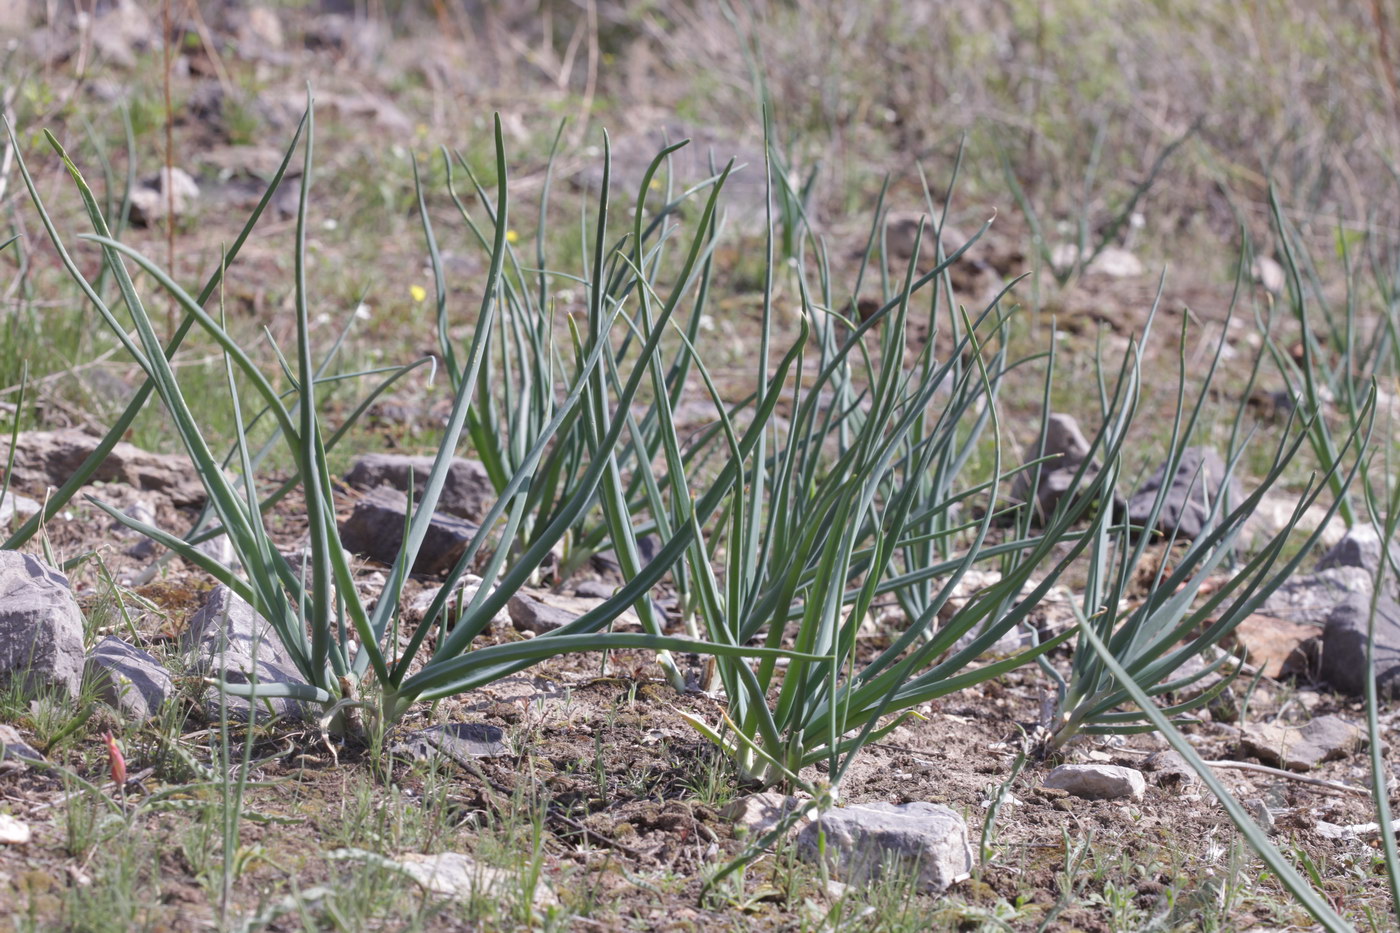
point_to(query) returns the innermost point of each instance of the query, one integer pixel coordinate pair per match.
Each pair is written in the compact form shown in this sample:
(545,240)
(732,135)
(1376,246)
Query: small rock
(1098,782)
(452,874)
(533,615)
(1312,597)
(1113,261)
(149,202)
(1361,547)
(542,612)
(1067,448)
(1276,646)
(224,637)
(12,831)
(129,679)
(1344,646)
(1273,514)
(605,562)
(757,815)
(594,589)
(14,748)
(461,742)
(1116,263)
(1169,769)
(1261,814)
(1269,274)
(220,550)
(926,839)
(375,529)
(466,492)
(14,506)
(1325,738)
(1196,484)
(49,458)
(41,627)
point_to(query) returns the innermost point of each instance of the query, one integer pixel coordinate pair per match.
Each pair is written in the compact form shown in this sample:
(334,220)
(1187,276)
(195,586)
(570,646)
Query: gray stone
(452,874)
(1261,814)
(1098,782)
(375,529)
(540,611)
(1325,738)
(150,203)
(461,742)
(1269,274)
(1170,770)
(13,747)
(1195,486)
(756,815)
(41,627)
(228,640)
(605,562)
(14,506)
(1361,547)
(466,492)
(927,839)
(529,614)
(1310,599)
(1067,448)
(131,680)
(49,458)
(1344,646)
(12,831)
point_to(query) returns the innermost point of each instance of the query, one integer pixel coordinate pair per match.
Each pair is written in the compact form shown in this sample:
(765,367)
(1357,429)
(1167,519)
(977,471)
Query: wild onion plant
(1179,618)
(865,472)
(337,639)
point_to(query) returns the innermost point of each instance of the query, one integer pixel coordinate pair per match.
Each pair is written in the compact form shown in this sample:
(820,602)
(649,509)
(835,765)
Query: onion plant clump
(340,642)
(1201,589)
(861,494)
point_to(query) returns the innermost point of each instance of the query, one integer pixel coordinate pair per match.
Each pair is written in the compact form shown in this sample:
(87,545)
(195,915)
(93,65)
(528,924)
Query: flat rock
(1098,781)
(1325,738)
(227,639)
(466,492)
(458,876)
(1276,646)
(375,530)
(456,741)
(759,814)
(49,458)
(927,840)
(129,679)
(14,748)
(1310,598)
(1192,491)
(540,612)
(41,627)
(12,831)
(1344,646)
(14,506)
